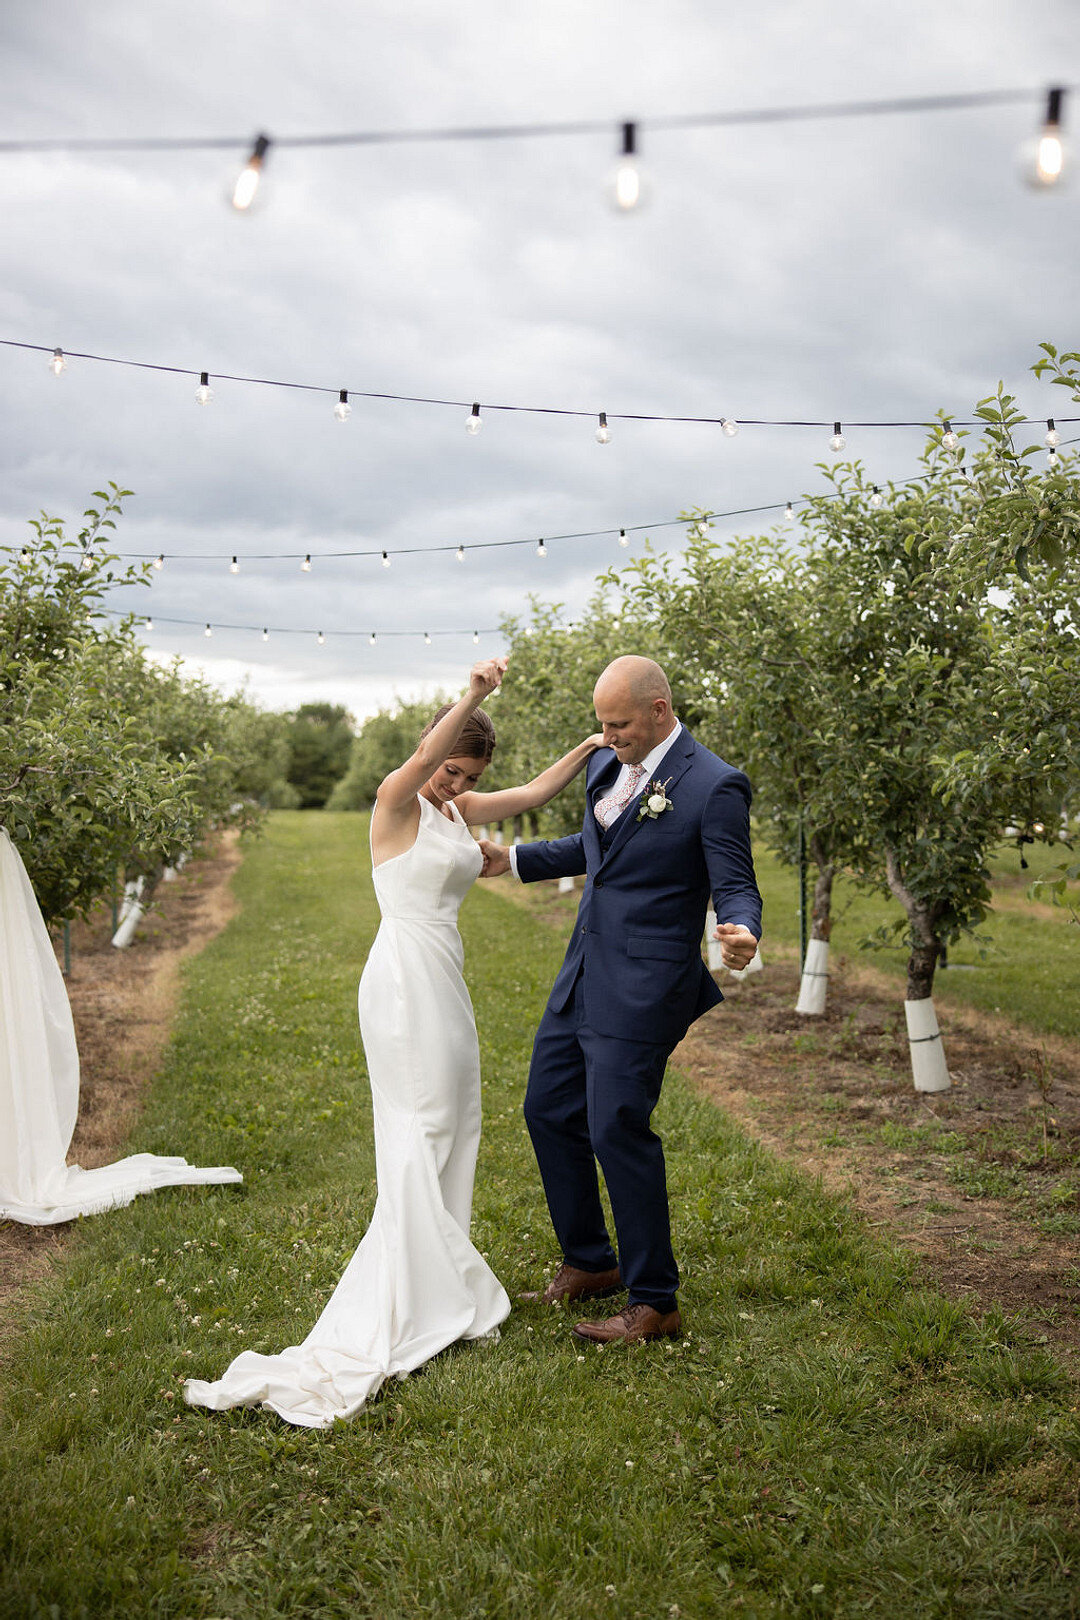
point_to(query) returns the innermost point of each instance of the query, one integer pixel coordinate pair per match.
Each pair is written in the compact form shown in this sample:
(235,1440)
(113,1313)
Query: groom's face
(630,729)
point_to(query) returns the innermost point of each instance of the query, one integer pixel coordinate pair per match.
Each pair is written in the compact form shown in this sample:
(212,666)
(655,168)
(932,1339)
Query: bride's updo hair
(477,736)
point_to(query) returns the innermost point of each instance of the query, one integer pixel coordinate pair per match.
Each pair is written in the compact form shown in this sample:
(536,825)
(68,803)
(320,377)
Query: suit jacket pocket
(668,950)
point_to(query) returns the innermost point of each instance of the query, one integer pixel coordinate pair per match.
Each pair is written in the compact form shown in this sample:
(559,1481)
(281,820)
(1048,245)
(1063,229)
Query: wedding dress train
(416,1283)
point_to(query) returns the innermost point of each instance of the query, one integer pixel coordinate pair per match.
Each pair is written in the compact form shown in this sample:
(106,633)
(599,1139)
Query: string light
(1053,460)
(623,540)
(371,639)
(603,432)
(476,638)
(837,442)
(876,497)
(248,183)
(475,421)
(305,566)
(948,436)
(150,624)
(265,634)
(459,554)
(427,639)
(728,428)
(26,556)
(58,363)
(386,559)
(1053,437)
(204,393)
(208,631)
(541,549)
(159,561)
(627,190)
(342,410)
(234,567)
(1050,152)
(789,512)
(321,639)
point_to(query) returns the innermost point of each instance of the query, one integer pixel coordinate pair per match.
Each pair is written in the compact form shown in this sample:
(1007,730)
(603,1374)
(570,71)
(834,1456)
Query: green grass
(1025,964)
(829,1438)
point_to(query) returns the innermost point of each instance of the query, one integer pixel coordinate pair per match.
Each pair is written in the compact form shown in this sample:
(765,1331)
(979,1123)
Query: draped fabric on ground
(416,1283)
(39,1081)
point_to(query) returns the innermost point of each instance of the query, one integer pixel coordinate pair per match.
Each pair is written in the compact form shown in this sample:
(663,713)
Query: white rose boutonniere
(654,801)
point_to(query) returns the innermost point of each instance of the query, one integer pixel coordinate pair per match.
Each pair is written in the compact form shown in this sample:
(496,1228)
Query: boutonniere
(654,801)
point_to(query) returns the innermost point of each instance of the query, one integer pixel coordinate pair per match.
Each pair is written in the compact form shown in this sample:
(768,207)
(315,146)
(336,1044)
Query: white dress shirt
(650,764)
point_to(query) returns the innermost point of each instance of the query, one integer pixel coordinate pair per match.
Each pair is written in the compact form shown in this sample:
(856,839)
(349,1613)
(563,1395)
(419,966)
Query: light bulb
(371,639)
(58,363)
(208,631)
(1053,437)
(1053,460)
(789,512)
(459,554)
(25,556)
(475,421)
(476,638)
(728,428)
(305,566)
(627,191)
(427,639)
(837,442)
(159,561)
(623,538)
(321,639)
(150,624)
(948,438)
(247,184)
(1050,151)
(234,567)
(343,410)
(204,393)
(266,635)
(876,497)
(541,549)
(603,432)
(386,559)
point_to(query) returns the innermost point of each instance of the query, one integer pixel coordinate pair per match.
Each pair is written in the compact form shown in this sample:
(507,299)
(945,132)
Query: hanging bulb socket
(204,393)
(208,631)
(305,566)
(949,438)
(26,556)
(623,539)
(459,554)
(1050,150)
(476,638)
(427,639)
(246,186)
(386,559)
(342,410)
(234,567)
(789,512)
(603,432)
(321,639)
(150,624)
(58,363)
(1053,437)
(627,193)
(541,549)
(475,421)
(837,442)
(371,639)
(266,635)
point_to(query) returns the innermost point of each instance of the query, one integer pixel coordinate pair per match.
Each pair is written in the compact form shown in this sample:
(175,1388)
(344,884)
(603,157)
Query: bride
(416,1283)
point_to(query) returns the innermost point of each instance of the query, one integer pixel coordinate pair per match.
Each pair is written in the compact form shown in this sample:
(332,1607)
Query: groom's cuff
(513,862)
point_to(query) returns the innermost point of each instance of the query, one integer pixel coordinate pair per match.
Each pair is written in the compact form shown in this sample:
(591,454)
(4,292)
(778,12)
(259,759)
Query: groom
(667,826)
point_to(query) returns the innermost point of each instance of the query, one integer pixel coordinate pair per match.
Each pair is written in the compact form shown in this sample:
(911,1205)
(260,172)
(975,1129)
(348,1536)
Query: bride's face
(455,776)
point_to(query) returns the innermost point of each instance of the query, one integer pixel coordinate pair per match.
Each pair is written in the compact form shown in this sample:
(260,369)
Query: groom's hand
(496,859)
(737,945)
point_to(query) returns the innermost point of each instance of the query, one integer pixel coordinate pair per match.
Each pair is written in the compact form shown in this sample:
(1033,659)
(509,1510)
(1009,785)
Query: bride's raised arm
(396,798)
(477,808)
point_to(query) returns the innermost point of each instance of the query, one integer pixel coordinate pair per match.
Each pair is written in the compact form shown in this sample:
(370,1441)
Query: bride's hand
(485,677)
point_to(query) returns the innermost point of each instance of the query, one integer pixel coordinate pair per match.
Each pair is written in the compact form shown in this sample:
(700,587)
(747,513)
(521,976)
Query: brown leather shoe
(633,1324)
(570,1283)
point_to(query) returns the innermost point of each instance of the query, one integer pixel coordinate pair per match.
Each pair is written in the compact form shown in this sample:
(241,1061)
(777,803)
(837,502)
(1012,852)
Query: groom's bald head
(632,700)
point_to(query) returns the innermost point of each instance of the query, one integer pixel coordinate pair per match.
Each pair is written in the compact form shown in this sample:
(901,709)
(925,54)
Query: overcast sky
(878,269)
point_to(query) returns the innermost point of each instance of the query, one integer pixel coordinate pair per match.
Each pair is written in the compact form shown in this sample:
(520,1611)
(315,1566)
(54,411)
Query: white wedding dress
(416,1283)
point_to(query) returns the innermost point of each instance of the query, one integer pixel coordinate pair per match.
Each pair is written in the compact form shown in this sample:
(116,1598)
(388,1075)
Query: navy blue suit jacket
(637,938)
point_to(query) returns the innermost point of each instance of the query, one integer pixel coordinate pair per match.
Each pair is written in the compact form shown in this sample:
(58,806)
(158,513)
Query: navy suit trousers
(590,1097)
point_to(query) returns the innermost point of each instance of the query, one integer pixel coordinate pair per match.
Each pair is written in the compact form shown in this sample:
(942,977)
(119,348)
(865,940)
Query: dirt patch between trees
(123,1003)
(982,1182)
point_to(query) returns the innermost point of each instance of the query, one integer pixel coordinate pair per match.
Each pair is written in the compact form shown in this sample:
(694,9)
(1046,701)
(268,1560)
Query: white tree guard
(928,1067)
(814,983)
(131,913)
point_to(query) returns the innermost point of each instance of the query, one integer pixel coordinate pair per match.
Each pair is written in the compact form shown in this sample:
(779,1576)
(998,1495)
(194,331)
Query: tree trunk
(928,1067)
(821,906)
(814,984)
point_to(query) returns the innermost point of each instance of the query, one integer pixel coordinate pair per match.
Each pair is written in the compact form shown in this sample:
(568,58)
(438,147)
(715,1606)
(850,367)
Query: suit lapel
(675,762)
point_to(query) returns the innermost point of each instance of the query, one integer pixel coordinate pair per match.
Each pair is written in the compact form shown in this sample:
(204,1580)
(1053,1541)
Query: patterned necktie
(610,809)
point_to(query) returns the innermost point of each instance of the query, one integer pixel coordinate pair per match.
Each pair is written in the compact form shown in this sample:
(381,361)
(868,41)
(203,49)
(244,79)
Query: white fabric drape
(39,1081)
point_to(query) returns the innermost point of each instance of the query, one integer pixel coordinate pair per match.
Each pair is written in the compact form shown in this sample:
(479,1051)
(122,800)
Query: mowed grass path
(829,1438)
